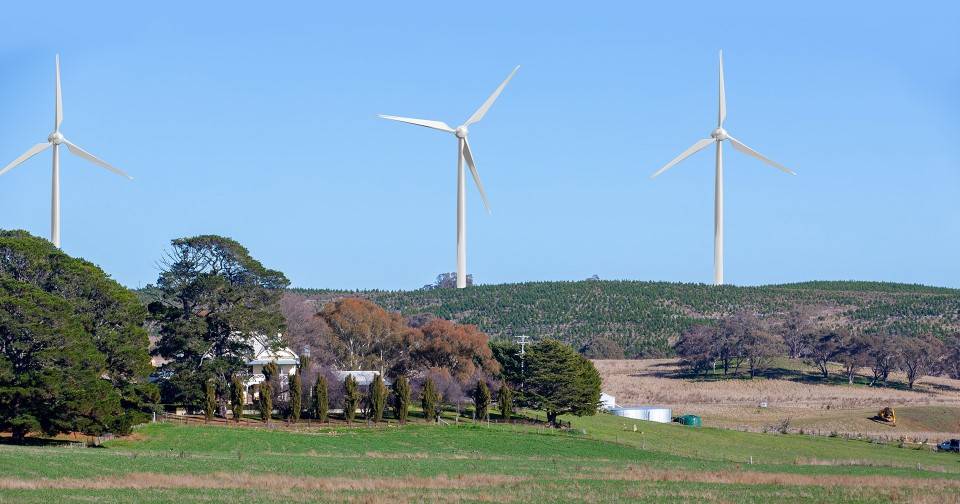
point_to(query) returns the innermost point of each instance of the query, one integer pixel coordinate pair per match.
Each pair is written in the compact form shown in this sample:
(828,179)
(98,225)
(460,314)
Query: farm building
(363,378)
(649,413)
(263,354)
(607,402)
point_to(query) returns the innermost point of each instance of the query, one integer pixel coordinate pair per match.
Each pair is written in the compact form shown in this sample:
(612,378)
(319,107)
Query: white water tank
(649,413)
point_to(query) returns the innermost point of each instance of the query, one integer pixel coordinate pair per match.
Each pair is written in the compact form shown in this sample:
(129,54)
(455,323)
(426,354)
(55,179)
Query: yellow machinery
(888,415)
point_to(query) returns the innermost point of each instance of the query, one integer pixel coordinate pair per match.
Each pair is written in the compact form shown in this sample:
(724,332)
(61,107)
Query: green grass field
(601,460)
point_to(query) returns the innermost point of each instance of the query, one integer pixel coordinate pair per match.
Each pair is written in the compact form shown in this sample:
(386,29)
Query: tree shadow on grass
(792,375)
(45,442)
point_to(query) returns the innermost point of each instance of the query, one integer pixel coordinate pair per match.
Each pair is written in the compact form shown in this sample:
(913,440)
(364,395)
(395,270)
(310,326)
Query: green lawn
(601,460)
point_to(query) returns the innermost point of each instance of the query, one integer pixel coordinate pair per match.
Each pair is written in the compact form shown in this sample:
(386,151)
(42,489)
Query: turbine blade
(59,112)
(687,153)
(33,151)
(722,114)
(493,97)
(437,125)
(473,170)
(95,160)
(750,152)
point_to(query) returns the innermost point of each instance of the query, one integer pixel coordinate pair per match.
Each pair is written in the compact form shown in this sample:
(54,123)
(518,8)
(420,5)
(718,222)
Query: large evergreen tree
(560,381)
(73,350)
(210,296)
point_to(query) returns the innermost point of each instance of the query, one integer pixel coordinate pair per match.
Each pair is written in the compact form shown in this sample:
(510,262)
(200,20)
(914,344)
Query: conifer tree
(266,402)
(295,389)
(236,397)
(430,401)
(377,397)
(351,398)
(321,405)
(505,401)
(481,400)
(211,404)
(401,398)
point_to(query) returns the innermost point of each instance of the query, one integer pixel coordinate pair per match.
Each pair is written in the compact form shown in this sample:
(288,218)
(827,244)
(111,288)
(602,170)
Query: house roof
(363,378)
(263,353)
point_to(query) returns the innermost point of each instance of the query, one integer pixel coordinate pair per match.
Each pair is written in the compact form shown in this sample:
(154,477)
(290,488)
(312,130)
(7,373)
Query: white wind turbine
(717,137)
(463,152)
(54,140)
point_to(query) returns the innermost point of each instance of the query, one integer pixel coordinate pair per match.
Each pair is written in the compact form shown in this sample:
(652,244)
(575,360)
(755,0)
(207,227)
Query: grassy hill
(644,317)
(601,460)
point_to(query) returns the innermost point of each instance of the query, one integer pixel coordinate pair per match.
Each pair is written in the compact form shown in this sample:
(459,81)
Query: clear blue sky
(258,121)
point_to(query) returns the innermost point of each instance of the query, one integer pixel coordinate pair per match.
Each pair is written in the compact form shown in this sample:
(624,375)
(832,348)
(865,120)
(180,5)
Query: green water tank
(691,420)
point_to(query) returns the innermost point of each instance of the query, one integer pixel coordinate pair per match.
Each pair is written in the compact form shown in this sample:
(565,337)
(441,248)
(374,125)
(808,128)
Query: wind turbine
(463,152)
(718,136)
(55,140)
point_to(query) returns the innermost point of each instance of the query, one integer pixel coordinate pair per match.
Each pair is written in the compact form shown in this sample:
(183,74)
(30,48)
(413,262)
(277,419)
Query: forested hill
(644,318)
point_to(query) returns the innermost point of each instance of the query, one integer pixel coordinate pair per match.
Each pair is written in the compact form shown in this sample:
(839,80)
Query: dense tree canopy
(73,350)
(558,380)
(211,294)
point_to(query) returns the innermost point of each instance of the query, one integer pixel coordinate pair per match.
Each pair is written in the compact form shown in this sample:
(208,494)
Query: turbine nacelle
(719,134)
(56,138)
(461,132)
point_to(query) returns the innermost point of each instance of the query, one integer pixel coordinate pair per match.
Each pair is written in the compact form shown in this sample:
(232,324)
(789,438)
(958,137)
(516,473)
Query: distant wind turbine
(54,140)
(463,152)
(717,137)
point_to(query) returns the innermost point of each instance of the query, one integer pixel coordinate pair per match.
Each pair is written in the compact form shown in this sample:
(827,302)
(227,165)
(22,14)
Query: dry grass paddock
(930,411)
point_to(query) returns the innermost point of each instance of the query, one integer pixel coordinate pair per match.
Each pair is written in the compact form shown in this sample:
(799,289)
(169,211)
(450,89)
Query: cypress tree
(321,403)
(505,401)
(295,396)
(270,371)
(430,401)
(236,397)
(211,403)
(481,400)
(377,397)
(266,402)
(351,398)
(401,398)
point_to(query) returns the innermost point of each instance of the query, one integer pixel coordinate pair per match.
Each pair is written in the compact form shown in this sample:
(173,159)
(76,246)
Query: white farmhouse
(285,358)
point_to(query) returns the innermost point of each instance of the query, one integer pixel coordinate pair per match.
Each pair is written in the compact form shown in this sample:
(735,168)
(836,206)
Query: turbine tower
(718,136)
(463,153)
(55,140)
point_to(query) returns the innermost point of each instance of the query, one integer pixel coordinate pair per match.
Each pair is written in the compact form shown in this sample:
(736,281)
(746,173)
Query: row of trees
(743,341)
